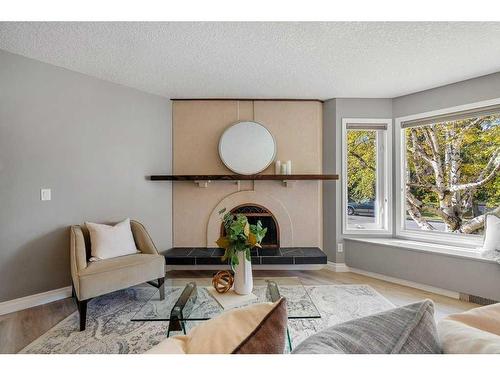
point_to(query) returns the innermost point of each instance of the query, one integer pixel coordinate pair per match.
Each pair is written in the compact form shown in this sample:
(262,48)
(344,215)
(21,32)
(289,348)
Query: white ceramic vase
(243,280)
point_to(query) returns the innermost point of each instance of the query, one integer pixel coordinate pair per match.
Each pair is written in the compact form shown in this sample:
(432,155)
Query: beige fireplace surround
(197,127)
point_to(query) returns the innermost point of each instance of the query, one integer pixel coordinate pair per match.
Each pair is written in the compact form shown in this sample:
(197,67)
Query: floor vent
(476,299)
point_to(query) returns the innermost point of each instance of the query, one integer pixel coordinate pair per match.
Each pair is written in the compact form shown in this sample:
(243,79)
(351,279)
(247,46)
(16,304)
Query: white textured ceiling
(264,60)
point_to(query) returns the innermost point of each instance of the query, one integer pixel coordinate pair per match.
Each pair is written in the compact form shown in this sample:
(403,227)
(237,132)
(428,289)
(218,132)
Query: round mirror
(247,148)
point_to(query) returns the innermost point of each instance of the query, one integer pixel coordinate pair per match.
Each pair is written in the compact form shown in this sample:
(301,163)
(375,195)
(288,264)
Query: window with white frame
(450,174)
(366,171)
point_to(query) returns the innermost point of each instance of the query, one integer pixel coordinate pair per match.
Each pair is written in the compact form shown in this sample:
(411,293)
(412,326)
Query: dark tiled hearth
(212,256)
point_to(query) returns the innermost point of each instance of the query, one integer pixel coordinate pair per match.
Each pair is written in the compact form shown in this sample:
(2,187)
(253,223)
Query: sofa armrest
(142,239)
(77,255)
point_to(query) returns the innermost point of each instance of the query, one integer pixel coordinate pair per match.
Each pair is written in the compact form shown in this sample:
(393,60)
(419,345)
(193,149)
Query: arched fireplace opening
(254,213)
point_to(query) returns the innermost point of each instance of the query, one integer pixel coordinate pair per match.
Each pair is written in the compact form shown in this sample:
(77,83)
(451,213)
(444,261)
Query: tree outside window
(452,174)
(361,178)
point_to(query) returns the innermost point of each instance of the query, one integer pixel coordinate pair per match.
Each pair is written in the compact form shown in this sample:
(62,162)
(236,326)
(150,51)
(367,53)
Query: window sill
(366,231)
(427,247)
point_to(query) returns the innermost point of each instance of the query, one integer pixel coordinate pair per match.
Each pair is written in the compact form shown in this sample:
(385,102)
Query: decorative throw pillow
(409,329)
(110,241)
(476,331)
(492,233)
(255,329)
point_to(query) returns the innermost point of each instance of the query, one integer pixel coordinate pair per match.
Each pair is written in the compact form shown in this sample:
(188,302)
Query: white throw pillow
(110,241)
(492,233)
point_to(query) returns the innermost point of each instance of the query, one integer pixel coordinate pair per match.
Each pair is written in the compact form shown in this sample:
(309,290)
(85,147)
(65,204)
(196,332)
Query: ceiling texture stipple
(264,59)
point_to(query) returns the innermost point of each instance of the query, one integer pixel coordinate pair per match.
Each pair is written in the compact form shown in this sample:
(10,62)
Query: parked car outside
(366,208)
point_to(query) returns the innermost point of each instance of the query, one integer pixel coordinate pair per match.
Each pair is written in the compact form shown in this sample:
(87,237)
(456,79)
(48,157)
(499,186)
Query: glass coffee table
(189,300)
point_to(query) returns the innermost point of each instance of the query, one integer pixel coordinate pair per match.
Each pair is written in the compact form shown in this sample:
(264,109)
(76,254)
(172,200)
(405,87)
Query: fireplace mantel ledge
(205,180)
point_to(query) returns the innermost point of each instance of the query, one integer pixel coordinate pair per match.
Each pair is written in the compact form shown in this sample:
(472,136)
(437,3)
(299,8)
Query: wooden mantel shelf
(241,177)
(204,180)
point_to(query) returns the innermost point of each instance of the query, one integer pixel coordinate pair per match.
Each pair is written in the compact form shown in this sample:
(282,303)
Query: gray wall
(464,92)
(443,271)
(480,278)
(333,112)
(92,142)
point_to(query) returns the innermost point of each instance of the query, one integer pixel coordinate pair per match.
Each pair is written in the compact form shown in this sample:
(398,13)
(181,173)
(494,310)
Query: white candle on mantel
(284,168)
(277,167)
(289,167)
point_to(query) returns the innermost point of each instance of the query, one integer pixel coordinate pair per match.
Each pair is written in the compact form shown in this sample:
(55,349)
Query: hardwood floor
(20,328)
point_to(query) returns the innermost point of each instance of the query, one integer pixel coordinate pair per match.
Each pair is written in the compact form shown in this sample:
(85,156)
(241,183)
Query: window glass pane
(361,179)
(452,175)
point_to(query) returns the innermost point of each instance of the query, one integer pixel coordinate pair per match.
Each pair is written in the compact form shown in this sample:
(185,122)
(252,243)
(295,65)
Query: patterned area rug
(110,330)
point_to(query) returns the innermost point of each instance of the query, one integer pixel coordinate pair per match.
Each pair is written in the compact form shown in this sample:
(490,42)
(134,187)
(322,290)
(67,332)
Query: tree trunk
(418,218)
(444,161)
(477,223)
(414,210)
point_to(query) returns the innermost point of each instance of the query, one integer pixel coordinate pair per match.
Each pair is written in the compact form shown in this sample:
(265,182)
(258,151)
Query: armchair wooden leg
(82,309)
(161,287)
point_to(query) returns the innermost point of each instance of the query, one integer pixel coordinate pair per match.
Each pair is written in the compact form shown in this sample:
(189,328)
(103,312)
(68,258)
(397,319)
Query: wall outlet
(45,194)
(340,248)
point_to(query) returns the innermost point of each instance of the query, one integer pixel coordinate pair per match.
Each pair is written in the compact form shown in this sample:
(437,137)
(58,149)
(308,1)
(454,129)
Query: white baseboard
(337,267)
(342,267)
(411,284)
(34,300)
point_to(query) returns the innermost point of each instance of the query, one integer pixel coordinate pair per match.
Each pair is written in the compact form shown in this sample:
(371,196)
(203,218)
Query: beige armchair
(92,279)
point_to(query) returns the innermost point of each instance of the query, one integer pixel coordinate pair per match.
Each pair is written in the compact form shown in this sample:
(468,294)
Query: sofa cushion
(473,331)
(409,329)
(459,338)
(485,318)
(117,273)
(255,329)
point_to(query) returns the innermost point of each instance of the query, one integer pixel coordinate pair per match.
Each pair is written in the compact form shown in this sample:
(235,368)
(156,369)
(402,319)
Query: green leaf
(234,260)
(228,254)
